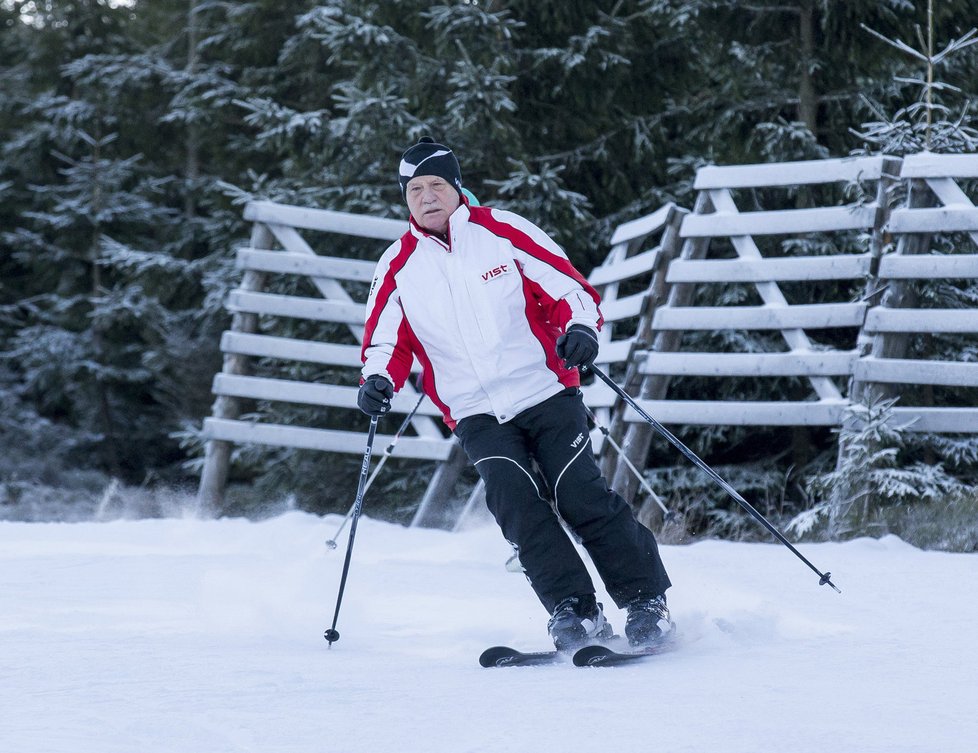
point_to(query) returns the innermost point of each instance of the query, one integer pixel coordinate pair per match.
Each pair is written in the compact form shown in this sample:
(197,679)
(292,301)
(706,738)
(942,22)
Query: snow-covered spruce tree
(201,59)
(76,350)
(396,71)
(64,186)
(118,232)
(874,472)
(938,119)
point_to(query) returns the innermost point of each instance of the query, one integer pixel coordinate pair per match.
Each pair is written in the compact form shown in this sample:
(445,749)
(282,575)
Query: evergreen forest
(133,132)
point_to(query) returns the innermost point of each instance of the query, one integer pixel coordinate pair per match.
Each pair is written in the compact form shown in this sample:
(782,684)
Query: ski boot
(576,621)
(648,621)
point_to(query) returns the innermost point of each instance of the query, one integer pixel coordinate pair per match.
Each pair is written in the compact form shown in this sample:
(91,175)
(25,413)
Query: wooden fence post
(217,457)
(898,294)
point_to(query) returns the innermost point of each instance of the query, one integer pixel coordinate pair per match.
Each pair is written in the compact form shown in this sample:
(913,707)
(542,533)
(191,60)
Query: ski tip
(504,656)
(590,655)
(497,656)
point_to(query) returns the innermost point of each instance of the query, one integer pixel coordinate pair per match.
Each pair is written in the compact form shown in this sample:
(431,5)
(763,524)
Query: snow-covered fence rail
(936,236)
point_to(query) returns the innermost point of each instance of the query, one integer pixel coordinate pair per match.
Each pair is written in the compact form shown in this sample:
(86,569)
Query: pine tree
(120,234)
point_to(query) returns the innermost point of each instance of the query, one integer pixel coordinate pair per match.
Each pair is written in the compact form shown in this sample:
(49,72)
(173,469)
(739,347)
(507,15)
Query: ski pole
(824,578)
(669,515)
(331,543)
(332,635)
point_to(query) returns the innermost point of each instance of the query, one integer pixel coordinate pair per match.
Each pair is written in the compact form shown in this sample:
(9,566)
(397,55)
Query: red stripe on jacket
(521,240)
(399,367)
(545,332)
(427,374)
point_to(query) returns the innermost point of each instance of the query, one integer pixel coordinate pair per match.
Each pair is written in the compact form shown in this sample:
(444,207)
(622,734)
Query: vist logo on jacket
(495,272)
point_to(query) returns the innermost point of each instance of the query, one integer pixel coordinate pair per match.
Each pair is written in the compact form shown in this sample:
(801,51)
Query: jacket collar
(455,220)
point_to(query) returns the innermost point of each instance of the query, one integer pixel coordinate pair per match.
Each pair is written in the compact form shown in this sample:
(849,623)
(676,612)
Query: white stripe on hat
(407,170)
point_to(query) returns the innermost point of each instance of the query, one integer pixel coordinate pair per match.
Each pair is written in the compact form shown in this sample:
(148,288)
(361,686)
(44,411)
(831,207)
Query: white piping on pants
(564,469)
(528,474)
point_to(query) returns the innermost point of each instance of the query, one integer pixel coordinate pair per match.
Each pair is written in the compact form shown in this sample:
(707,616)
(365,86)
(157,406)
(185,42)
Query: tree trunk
(110,441)
(807,101)
(192,165)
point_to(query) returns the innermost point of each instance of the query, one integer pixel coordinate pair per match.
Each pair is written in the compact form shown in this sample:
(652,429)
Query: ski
(602,656)
(504,656)
(595,655)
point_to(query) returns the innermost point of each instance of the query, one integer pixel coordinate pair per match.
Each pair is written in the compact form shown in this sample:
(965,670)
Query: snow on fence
(761,303)
(746,297)
(781,272)
(277,227)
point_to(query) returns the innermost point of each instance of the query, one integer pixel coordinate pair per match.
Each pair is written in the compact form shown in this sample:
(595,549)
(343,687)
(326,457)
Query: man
(500,322)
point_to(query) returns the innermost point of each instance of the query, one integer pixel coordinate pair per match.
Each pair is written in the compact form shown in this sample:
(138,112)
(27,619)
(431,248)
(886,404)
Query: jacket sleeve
(386,346)
(560,289)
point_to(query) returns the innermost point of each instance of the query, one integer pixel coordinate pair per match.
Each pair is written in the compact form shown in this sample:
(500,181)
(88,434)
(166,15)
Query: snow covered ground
(185,635)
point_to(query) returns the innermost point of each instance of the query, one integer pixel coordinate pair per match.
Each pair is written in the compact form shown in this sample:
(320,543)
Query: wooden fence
(783,265)
(802,273)
(277,227)
(278,250)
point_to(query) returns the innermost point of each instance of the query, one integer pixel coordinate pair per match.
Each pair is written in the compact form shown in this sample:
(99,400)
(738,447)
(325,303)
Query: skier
(501,323)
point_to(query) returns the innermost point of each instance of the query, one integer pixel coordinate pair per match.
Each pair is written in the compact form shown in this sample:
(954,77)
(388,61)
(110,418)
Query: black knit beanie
(428,158)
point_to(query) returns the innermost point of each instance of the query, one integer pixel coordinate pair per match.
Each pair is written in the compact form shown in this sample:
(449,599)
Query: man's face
(431,200)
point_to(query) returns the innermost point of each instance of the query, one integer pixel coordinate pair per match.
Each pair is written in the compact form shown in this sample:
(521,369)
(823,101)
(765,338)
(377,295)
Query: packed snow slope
(185,635)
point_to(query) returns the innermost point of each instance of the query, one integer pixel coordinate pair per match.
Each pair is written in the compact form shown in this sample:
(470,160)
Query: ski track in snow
(185,635)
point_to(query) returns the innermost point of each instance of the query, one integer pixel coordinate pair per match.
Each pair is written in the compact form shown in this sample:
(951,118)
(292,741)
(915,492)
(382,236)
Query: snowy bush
(873,473)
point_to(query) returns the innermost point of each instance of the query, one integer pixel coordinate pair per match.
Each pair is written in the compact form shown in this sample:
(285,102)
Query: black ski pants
(555,435)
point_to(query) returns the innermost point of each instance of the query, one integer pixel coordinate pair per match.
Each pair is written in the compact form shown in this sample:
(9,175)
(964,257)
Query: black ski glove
(375,396)
(578,347)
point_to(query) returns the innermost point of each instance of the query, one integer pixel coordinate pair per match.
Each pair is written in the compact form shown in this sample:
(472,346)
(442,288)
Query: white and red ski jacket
(481,313)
